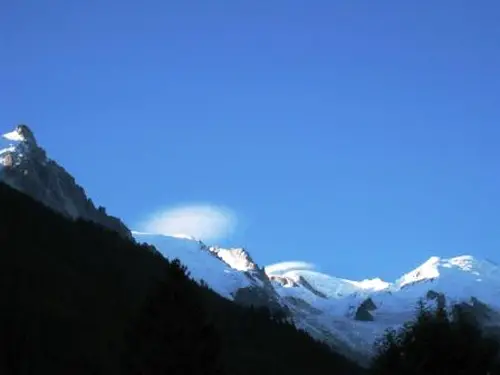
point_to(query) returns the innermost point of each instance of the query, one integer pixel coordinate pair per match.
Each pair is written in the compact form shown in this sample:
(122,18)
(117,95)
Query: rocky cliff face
(25,166)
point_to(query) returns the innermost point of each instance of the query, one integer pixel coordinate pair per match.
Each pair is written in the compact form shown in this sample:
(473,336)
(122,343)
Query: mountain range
(349,315)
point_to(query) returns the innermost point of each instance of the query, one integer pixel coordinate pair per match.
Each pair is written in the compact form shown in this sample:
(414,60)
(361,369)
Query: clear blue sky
(362,136)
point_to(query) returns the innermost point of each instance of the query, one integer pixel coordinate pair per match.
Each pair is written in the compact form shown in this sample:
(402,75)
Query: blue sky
(360,136)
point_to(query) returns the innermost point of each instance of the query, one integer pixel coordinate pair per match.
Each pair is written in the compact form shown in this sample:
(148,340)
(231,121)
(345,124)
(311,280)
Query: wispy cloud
(202,221)
(283,267)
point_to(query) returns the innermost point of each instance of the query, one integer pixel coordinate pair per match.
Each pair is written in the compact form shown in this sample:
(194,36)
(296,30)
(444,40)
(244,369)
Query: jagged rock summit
(22,134)
(24,165)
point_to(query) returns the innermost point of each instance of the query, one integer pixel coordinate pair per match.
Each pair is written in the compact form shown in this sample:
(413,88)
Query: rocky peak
(237,258)
(22,149)
(21,133)
(24,165)
(26,134)
(261,291)
(363,312)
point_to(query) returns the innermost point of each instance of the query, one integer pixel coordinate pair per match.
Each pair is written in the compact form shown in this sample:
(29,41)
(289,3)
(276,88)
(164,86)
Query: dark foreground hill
(77,298)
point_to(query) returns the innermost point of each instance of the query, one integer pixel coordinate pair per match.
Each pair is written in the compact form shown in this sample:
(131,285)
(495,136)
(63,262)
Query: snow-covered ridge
(237,258)
(457,277)
(331,308)
(375,284)
(183,236)
(202,264)
(465,266)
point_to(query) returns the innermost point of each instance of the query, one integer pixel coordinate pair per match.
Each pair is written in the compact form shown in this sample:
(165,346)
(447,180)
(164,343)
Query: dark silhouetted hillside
(81,299)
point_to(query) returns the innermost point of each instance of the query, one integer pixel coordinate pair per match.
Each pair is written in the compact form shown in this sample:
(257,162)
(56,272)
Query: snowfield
(201,263)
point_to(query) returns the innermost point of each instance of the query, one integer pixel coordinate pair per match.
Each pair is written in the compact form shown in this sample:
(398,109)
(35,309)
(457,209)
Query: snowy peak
(426,271)
(456,267)
(21,145)
(326,286)
(237,258)
(21,133)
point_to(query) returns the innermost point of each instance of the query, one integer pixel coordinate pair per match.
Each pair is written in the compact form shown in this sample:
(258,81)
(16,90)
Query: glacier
(328,307)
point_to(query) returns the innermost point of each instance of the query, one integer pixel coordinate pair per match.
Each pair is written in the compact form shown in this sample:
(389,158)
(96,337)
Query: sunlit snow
(201,264)
(236,258)
(324,305)
(13,136)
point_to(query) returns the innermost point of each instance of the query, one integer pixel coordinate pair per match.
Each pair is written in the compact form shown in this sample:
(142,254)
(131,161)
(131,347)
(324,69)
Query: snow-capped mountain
(24,165)
(348,314)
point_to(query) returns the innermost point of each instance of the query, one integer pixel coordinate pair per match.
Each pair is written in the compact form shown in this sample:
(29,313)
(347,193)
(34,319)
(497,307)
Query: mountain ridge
(348,314)
(25,166)
(350,321)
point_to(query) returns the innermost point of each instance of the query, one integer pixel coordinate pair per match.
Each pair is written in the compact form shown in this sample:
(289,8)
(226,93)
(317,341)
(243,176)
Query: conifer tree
(172,334)
(438,342)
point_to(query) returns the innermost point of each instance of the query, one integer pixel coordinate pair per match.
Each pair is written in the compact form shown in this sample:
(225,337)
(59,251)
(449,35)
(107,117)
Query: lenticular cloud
(203,222)
(283,267)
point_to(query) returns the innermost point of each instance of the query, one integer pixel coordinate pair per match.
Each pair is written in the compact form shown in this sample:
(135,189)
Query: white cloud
(283,267)
(202,221)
